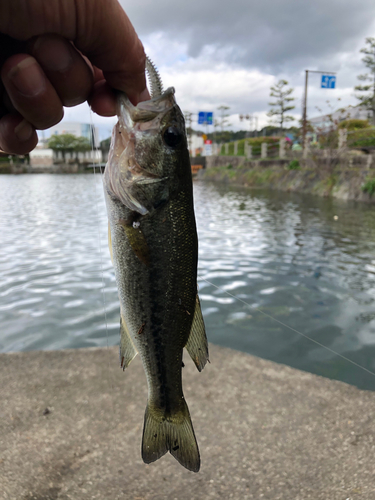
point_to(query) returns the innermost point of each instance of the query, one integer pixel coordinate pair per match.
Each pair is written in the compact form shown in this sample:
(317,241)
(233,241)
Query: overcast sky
(232,53)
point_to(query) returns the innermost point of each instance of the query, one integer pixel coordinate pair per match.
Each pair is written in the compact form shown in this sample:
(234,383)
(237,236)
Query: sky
(230,53)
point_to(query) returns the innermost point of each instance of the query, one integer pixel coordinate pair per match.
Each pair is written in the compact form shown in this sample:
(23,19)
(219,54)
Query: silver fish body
(154,249)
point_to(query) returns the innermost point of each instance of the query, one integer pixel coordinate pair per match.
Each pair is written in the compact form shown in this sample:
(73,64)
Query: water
(287,255)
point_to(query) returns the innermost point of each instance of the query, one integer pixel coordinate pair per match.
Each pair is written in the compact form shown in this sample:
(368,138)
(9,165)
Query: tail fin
(174,434)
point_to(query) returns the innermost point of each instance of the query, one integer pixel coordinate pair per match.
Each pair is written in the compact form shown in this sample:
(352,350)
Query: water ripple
(283,254)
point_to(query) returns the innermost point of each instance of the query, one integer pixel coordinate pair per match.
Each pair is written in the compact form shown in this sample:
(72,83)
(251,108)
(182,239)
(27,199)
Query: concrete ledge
(265,431)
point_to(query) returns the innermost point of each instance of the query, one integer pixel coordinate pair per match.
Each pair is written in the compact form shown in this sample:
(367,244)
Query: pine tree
(367,98)
(224,122)
(282,106)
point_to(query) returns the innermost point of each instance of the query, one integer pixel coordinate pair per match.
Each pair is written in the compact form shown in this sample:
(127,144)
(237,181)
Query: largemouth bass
(154,250)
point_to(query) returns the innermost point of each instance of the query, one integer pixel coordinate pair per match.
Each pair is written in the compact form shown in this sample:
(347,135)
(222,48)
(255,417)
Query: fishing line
(95,149)
(291,328)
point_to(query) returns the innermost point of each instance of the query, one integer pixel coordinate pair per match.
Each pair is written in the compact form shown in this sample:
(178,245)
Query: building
(78,129)
(41,158)
(324,122)
(196,144)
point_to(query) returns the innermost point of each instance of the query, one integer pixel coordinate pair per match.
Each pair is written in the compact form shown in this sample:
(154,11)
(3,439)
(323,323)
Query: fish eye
(172,137)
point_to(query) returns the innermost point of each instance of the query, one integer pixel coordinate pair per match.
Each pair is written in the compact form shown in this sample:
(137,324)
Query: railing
(334,143)
(272,148)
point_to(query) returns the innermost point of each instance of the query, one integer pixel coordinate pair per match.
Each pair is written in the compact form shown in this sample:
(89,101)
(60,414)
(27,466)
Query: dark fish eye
(172,137)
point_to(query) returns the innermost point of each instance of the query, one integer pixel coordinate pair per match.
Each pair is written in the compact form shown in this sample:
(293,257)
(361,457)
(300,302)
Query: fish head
(148,158)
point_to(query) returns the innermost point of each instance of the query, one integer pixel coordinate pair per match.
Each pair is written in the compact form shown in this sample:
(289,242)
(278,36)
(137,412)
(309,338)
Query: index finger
(114,47)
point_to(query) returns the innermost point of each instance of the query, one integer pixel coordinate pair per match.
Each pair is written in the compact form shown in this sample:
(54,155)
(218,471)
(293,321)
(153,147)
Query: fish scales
(154,249)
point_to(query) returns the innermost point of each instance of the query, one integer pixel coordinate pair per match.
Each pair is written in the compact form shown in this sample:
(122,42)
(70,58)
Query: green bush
(255,142)
(354,124)
(362,138)
(369,186)
(294,165)
(229,166)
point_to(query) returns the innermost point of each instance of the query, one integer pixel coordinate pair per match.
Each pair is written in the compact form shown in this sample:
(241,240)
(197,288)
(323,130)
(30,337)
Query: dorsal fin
(154,78)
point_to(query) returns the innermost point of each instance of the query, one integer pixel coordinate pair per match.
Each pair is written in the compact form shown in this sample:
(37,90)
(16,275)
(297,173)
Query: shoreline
(344,181)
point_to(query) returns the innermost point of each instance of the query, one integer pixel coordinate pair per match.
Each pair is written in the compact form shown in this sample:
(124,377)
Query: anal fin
(127,349)
(197,345)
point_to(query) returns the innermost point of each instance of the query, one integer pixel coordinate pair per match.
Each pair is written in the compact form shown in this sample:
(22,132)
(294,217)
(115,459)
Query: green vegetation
(331,181)
(69,143)
(282,104)
(325,186)
(367,91)
(354,124)
(369,186)
(362,138)
(255,142)
(294,165)
(262,177)
(223,122)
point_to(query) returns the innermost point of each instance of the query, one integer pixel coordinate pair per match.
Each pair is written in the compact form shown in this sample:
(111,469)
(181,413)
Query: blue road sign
(328,82)
(205,118)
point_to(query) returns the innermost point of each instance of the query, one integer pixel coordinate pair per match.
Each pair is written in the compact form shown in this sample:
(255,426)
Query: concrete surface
(265,431)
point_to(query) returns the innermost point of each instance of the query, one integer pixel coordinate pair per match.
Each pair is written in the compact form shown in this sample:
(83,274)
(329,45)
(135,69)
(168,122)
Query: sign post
(207,147)
(328,82)
(205,118)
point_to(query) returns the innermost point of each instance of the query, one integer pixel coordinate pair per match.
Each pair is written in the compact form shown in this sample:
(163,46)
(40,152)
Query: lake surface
(305,261)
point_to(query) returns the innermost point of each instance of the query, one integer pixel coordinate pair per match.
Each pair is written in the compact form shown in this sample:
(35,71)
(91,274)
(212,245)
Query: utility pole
(304,114)
(247,117)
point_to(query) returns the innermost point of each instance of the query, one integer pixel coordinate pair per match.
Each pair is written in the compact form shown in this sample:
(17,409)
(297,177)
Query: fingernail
(27,77)
(73,102)
(23,131)
(52,53)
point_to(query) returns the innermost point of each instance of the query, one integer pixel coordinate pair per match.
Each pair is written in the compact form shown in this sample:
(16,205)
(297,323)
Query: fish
(154,249)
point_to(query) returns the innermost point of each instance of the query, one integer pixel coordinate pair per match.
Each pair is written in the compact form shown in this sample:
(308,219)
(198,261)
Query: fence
(336,143)
(257,149)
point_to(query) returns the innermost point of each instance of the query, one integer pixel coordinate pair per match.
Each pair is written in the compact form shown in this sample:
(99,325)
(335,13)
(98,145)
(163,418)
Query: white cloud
(232,54)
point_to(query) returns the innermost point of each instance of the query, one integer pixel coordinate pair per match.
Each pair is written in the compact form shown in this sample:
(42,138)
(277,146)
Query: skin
(56,53)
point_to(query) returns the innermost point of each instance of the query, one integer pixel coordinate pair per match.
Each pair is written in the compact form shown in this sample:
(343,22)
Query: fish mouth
(128,165)
(145,115)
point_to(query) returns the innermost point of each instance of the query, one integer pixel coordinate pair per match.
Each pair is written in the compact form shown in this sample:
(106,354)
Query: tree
(367,98)
(281,106)
(69,143)
(82,144)
(224,117)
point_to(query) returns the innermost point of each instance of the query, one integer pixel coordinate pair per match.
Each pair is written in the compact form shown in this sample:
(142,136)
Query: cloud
(232,53)
(268,35)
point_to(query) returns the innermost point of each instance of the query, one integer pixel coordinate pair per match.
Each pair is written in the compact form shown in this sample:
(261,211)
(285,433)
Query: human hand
(56,53)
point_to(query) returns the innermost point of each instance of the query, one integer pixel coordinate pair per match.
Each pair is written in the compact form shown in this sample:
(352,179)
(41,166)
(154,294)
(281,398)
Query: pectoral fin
(127,350)
(197,343)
